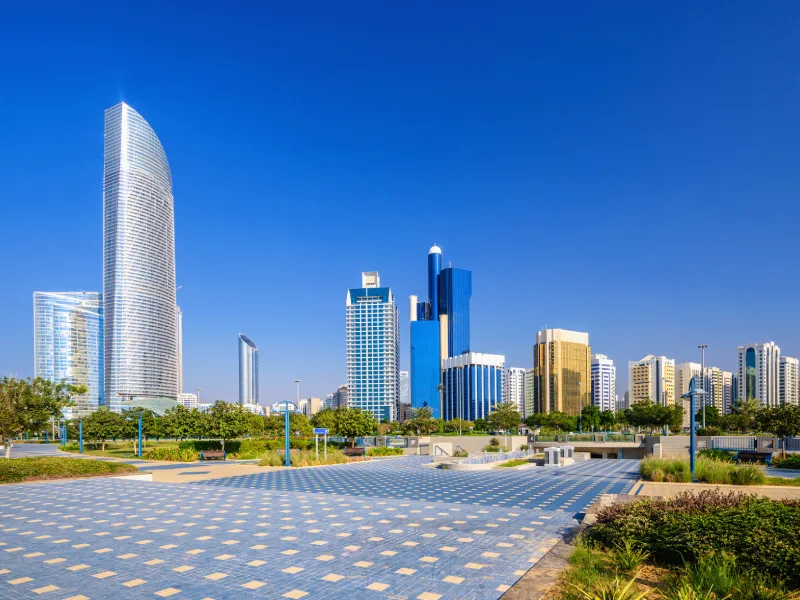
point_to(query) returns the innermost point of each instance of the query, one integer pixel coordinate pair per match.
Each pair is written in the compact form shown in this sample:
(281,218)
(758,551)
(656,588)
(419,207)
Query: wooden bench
(355,451)
(206,454)
(752,456)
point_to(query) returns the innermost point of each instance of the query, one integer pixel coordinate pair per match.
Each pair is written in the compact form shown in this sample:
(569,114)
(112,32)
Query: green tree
(649,415)
(590,418)
(29,404)
(480,424)
(674,418)
(713,418)
(421,422)
(745,410)
(226,421)
(255,425)
(353,422)
(325,419)
(181,423)
(607,419)
(459,426)
(273,425)
(781,421)
(103,425)
(385,428)
(299,425)
(504,417)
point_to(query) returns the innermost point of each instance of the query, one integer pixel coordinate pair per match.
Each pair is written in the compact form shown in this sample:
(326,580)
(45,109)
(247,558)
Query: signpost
(318,431)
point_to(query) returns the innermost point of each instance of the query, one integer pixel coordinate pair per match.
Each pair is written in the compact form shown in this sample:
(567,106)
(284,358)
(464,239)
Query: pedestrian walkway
(380,529)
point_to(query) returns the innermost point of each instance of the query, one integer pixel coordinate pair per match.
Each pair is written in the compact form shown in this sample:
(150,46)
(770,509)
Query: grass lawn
(514,463)
(125,449)
(38,468)
(782,481)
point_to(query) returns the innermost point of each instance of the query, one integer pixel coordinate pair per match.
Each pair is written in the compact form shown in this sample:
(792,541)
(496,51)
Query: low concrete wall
(474,443)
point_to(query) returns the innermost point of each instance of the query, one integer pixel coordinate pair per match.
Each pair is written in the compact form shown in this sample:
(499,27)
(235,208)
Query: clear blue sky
(626,169)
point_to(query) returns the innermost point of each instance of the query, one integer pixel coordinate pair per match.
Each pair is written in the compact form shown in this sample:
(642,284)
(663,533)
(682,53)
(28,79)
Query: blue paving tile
(389,529)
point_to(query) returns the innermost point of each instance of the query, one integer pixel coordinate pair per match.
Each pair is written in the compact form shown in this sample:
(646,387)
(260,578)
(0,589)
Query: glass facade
(562,371)
(472,384)
(373,351)
(455,291)
(248,371)
(140,317)
(425,369)
(68,344)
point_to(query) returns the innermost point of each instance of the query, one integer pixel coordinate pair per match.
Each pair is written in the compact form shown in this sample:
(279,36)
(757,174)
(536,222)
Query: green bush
(760,533)
(303,458)
(792,461)
(247,448)
(384,451)
(172,454)
(659,469)
(629,557)
(722,455)
(711,430)
(708,470)
(57,467)
(460,454)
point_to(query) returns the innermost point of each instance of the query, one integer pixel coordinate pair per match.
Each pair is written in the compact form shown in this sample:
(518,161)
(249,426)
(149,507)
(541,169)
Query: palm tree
(746,409)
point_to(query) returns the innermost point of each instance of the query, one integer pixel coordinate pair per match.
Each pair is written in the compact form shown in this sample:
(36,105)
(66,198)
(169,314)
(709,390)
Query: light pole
(198,390)
(580,409)
(703,376)
(287,462)
(692,394)
(297,381)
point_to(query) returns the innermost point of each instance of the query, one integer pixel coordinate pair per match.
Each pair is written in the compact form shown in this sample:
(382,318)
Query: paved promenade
(380,529)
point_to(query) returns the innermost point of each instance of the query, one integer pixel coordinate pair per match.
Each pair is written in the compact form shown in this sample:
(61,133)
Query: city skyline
(346,158)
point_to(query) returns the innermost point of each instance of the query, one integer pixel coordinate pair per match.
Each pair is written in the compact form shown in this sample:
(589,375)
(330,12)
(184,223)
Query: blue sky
(624,169)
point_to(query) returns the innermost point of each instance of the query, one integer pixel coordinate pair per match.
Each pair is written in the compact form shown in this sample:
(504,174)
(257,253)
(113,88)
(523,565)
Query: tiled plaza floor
(382,529)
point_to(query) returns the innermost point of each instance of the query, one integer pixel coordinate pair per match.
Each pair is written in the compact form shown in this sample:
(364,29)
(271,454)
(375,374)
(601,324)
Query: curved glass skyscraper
(248,371)
(140,324)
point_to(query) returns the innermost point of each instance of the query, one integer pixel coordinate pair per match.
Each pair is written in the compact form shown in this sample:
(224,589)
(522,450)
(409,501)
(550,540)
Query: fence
(734,443)
(490,457)
(586,437)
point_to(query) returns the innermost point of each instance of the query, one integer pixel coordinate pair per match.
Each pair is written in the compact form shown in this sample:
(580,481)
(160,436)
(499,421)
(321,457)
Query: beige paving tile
(333,577)
(294,594)
(253,585)
(134,582)
(378,587)
(167,592)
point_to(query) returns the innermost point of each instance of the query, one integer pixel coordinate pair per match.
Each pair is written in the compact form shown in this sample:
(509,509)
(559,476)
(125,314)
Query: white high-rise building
(788,387)
(405,388)
(514,388)
(604,382)
(188,400)
(248,371)
(683,375)
(759,373)
(140,324)
(373,348)
(652,377)
(310,406)
(179,317)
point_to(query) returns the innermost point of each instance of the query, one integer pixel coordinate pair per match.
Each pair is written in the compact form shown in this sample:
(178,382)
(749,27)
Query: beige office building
(562,367)
(653,378)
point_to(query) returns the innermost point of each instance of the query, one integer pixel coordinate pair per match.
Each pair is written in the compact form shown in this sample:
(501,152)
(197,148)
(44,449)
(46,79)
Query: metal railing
(734,443)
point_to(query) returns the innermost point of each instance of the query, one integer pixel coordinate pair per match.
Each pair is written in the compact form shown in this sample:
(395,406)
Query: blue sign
(320,431)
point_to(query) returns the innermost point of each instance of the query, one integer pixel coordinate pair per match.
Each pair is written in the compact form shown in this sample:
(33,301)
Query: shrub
(303,458)
(616,590)
(491,448)
(247,448)
(629,557)
(708,470)
(792,461)
(461,453)
(524,447)
(173,454)
(57,467)
(494,442)
(721,455)
(384,451)
(670,470)
(761,533)
(747,475)
(711,430)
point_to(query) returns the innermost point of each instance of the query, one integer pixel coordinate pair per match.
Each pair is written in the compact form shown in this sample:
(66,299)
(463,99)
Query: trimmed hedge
(35,468)
(384,451)
(792,461)
(247,448)
(173,454)
(760,533)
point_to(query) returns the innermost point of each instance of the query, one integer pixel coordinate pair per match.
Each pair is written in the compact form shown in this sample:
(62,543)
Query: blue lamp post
(287,404)
(692,394)
(140,434)
(80,435)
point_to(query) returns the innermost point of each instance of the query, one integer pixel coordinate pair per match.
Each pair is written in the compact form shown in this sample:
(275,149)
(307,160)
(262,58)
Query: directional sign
(320,431)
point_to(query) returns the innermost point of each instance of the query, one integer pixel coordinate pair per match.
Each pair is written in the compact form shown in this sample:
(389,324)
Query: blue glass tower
(439,329)
(455,291)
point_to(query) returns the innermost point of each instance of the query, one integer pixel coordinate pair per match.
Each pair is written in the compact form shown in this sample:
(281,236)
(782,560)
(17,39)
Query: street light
(580,409)
(692,394)
(287,462)
(297,381)
(703,376)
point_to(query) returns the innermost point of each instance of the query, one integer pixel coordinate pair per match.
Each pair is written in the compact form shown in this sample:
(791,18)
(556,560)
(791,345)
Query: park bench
(752,456)
(355,451)
(206,454)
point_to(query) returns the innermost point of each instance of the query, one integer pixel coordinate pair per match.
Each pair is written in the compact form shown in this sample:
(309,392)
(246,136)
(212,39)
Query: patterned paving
(384,529)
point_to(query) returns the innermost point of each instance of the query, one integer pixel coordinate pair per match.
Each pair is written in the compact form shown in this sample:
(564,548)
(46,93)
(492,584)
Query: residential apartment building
(788,386)
(758,373)
(652,377)
(188,400)
(604,382)
(514,388)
